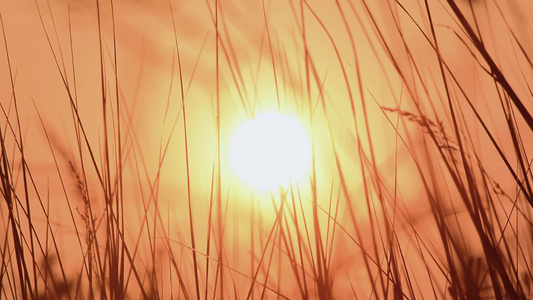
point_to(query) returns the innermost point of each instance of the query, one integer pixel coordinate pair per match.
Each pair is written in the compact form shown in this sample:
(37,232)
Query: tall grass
(116,117)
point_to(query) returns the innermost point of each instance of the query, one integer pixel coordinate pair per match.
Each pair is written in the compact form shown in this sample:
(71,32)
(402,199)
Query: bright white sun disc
(270,150)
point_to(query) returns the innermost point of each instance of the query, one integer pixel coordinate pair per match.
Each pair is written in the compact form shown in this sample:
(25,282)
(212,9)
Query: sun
(270,151)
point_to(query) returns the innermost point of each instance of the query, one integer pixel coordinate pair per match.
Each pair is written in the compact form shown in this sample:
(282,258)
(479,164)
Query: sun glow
(270,151)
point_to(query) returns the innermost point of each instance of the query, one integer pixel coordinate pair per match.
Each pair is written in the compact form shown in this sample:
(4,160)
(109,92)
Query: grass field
(116,127)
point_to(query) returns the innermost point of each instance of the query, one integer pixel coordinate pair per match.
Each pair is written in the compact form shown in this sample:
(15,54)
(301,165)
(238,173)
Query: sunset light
(270,150)
(266,149)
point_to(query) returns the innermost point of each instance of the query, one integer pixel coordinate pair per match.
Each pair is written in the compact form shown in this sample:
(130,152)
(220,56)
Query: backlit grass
(117,118)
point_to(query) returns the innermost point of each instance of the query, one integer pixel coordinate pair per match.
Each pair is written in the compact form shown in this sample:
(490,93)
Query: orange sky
(150,96)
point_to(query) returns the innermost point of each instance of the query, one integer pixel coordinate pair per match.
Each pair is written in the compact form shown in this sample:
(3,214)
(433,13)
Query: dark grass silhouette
(419,113)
